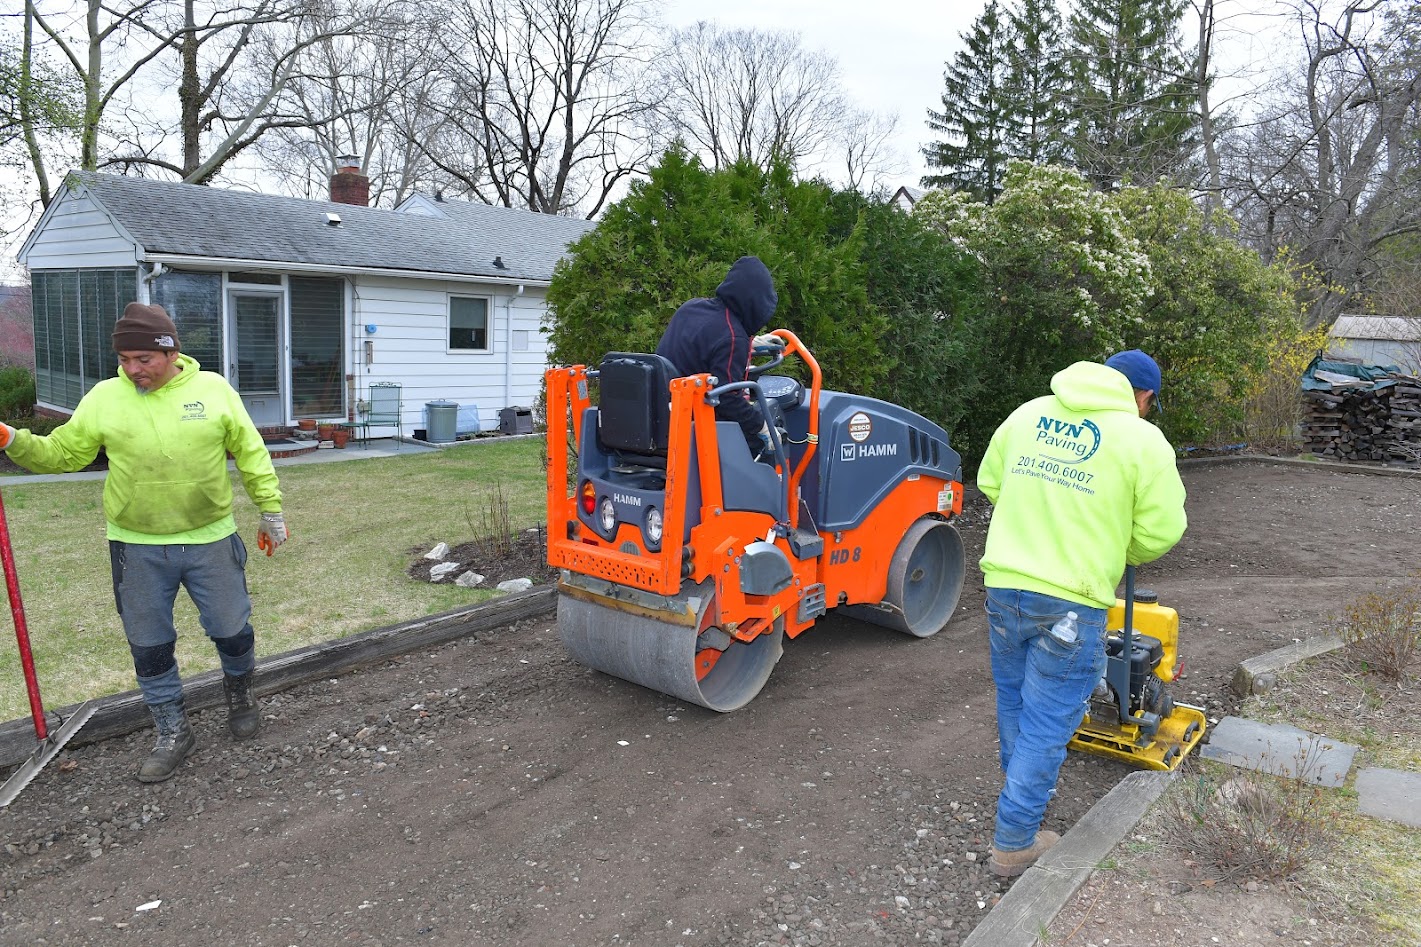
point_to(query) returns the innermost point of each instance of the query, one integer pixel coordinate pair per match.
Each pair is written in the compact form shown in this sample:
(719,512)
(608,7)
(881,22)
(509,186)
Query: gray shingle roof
(190,220)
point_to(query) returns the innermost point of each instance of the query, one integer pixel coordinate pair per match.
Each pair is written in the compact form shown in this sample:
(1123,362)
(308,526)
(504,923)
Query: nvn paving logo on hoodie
(1069,442)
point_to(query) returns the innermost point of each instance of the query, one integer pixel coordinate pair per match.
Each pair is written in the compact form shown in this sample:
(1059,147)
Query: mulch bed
(525,555)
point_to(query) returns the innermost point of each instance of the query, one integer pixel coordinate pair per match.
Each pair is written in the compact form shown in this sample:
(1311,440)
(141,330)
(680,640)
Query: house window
(317,347)
(194,303)
(74,315)
(468,324)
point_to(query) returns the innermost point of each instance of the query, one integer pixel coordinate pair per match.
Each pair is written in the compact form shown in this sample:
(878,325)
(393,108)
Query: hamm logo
(1070,442)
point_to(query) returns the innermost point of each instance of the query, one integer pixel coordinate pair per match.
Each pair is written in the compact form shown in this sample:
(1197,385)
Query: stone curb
(1028,908)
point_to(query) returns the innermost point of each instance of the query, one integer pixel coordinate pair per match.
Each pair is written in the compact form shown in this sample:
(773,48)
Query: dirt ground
(1180,897)
(491,792)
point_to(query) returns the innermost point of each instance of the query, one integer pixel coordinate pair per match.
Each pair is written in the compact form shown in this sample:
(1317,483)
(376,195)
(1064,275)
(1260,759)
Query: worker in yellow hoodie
(1081,485)
(167,427)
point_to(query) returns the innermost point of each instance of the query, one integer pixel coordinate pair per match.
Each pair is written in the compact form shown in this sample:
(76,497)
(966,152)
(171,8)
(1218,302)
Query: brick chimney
(348,185)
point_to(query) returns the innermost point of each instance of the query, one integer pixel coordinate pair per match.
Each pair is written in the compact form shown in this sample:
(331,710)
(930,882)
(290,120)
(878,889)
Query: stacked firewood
(1355,421)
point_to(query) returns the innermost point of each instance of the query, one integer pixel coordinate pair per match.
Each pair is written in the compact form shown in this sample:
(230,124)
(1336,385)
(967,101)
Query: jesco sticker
(860,427)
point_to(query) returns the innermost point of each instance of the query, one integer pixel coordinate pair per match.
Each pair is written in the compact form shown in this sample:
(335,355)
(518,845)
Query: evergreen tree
(1133,91)
(1036,82)
(976,112)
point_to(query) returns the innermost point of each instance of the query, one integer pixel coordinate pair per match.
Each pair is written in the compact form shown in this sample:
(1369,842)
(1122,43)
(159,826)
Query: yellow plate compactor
(1131,715)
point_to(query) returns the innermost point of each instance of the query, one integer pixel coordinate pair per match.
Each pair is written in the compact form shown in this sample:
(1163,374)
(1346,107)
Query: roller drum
(660,653)
(925,579)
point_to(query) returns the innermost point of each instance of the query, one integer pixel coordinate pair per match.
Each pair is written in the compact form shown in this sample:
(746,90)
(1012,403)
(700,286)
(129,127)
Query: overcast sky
(892,53)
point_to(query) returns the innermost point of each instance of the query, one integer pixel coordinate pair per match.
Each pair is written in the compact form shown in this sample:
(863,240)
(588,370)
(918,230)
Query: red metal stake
(22,634)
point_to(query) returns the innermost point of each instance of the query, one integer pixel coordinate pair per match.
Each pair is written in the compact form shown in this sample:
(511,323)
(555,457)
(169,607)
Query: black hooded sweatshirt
(714,335)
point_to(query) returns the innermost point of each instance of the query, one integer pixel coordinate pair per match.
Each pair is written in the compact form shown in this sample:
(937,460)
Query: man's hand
(769,341)
(272,532)
(767,448)
(7,435)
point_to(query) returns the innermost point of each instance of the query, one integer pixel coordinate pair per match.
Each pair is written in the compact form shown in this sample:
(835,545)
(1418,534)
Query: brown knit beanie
(144,329)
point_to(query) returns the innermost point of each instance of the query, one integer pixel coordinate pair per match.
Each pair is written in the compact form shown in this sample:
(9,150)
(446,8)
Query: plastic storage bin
(515,420)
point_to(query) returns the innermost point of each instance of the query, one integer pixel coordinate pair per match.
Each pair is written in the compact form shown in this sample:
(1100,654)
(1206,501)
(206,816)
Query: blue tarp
(1376,374)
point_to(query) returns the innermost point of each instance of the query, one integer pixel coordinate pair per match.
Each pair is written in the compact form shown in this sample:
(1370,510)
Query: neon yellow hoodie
(167,452)
(1081,486)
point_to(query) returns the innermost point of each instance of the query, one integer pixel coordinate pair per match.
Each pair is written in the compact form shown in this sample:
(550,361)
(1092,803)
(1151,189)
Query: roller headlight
(608,516)
(653,526)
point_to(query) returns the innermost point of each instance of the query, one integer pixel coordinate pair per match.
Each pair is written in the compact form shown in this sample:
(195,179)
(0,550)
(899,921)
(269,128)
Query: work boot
(175,742)
(243,713)
(1011,864)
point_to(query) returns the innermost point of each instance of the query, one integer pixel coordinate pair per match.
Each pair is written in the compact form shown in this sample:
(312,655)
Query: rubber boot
(243,713)
(175,742)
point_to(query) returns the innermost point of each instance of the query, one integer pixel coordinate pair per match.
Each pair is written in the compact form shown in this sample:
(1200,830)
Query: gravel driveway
(492,792)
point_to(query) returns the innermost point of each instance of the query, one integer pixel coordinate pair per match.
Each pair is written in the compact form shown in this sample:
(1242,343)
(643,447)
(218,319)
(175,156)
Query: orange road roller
(686,560)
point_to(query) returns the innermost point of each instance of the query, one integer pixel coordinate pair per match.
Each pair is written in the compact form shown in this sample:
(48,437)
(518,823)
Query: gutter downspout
(147,282)
(508,349)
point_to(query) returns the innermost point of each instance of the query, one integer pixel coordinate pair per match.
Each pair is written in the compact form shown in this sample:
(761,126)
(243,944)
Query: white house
(301,304)
(1378,340)
(906,197)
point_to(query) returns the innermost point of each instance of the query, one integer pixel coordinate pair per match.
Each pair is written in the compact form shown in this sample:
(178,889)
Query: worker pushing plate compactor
(686,561)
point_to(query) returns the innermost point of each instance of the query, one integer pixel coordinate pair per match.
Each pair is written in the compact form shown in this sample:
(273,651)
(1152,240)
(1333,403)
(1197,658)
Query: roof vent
(498,263)
(332,220)
(439,197)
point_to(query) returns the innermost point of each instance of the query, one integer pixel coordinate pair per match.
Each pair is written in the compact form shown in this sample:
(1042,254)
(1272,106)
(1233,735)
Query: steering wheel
(776,353)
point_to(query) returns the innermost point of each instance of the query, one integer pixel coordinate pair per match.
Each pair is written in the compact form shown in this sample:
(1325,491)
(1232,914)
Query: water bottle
(1064,630)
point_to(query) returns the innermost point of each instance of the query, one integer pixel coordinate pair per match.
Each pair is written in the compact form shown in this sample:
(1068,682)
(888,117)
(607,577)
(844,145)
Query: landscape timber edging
(1034,899)
(119,714)
(1299,462)
(1258,675)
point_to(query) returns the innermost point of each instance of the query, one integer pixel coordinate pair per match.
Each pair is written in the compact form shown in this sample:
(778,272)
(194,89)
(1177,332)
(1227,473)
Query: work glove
(272,532)
(767,449)
(7,435)
(769,341)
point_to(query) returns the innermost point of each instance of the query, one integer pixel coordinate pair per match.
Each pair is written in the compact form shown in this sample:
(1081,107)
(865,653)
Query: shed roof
(1391,328)
(196,221)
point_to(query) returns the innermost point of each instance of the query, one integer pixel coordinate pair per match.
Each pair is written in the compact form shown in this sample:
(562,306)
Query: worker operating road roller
(716,335)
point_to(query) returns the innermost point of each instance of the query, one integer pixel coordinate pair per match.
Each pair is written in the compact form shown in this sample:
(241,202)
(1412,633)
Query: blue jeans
(145,586)
(1042,688)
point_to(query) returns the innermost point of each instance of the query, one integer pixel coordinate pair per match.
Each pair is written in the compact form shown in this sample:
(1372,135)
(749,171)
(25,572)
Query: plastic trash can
(441,419)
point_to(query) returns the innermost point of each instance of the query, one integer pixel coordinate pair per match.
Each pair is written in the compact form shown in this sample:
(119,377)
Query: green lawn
(355,528)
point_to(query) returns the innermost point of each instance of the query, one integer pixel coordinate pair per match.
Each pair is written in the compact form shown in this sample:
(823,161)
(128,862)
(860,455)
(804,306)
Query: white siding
(410,346)
(78,236)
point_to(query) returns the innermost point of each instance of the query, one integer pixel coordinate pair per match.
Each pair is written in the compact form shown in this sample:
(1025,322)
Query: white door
(254,335)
